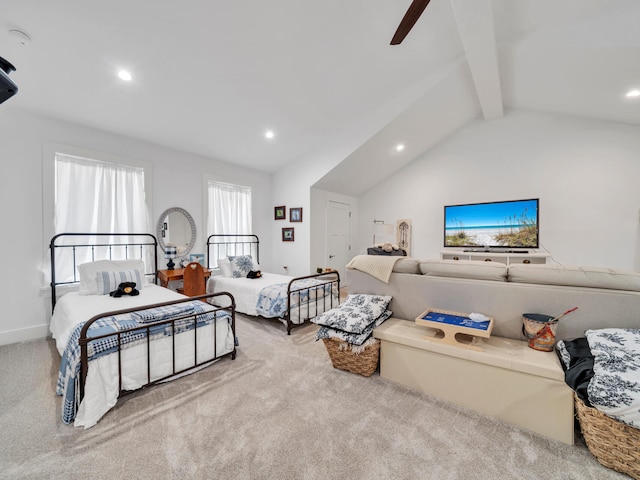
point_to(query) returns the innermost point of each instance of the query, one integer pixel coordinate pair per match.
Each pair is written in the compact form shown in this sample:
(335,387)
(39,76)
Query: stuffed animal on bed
(254,274)
(125,288)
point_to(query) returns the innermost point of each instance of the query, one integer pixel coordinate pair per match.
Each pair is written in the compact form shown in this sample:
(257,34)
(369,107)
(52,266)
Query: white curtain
(93,196)
(229,213)
(97,197)
(229,209)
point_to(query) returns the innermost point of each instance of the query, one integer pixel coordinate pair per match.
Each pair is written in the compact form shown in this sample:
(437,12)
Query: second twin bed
(292,300)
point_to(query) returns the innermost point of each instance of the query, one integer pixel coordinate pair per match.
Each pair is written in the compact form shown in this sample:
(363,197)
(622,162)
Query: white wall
(292,184)
(291,187)
(584,171)
(177,181)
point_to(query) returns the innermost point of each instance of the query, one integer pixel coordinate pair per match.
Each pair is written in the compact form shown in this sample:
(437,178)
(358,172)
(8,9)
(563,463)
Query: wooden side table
(166,276)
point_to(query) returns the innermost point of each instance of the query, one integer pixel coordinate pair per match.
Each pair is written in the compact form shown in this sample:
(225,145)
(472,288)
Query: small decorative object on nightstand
(170,252)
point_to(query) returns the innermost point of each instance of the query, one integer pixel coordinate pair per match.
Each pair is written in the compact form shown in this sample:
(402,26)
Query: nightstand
(166,276)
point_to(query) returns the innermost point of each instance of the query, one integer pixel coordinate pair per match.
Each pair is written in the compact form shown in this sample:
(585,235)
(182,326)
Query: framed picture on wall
(295,214)
(280,213)
(287,234)
(197,257)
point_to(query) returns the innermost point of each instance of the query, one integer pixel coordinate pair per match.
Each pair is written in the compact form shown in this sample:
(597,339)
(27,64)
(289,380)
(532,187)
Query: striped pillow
(108,281)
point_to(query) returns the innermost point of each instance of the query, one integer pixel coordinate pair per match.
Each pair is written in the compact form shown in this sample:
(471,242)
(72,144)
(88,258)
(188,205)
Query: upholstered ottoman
(507,380)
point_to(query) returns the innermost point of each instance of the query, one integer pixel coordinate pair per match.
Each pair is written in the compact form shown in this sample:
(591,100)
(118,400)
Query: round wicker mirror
(176,228)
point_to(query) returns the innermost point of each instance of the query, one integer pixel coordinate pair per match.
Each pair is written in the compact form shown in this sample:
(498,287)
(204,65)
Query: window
(229,209)
(92,196)
(96,196)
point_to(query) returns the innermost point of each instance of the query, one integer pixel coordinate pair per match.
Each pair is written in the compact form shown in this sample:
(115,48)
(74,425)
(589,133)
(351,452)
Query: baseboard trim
(24,334)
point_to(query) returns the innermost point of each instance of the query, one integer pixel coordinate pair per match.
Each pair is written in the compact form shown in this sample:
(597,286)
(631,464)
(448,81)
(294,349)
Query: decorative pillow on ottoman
(355,314)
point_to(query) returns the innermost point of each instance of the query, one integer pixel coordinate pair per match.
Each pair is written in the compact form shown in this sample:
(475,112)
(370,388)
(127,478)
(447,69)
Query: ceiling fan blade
(409,20)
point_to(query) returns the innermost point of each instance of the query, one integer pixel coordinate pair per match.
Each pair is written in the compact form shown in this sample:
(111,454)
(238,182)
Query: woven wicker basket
(364,363)
(614,444)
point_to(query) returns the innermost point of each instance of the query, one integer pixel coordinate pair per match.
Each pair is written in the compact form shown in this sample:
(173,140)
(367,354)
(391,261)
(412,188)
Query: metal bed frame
(109,244)
(223,245)
(127,244)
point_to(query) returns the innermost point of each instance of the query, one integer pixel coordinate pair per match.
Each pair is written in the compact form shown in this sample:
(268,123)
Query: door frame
(349,235)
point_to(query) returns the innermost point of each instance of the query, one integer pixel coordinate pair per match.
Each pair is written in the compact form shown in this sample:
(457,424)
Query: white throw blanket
(378,266)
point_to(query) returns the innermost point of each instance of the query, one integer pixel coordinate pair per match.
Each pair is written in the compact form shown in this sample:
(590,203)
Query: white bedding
(101,389)
(73,308)
(245,290)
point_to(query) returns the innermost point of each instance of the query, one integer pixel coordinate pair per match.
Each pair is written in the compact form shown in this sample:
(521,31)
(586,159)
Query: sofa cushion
(407,265)
(594,277)
(465,269)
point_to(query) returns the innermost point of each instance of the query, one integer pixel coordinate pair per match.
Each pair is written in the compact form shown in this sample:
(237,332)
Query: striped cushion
(109,281)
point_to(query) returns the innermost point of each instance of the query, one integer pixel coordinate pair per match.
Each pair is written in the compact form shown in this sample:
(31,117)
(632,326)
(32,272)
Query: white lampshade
(383,232)
(383,229)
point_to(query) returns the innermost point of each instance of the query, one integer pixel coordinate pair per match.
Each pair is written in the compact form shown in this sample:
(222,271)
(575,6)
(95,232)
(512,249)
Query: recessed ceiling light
(269,134)
(633,93)
(124,75)
(399,147)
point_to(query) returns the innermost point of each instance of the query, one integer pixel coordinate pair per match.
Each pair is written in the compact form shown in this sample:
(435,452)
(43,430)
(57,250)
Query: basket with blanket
(347,332)
(603,369)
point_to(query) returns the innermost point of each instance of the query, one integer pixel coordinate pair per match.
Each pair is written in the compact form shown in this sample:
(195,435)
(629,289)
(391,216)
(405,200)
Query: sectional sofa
(604,297)
(506,379)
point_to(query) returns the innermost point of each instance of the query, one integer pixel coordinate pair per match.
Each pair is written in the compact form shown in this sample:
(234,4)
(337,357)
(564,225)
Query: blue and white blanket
(68,383)
(272,301)
(603,368)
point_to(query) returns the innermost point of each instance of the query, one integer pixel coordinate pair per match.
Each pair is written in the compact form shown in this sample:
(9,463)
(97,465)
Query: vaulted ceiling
(210,77)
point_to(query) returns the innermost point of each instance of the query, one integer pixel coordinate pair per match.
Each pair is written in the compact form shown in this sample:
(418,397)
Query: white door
(338,236)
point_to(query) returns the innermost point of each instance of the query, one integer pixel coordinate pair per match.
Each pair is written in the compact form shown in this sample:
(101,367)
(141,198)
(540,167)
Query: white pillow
(88,271)
(225,267)
(107,282)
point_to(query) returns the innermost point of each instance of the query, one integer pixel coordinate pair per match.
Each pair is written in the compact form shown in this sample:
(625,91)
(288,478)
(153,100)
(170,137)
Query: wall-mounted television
(508,224)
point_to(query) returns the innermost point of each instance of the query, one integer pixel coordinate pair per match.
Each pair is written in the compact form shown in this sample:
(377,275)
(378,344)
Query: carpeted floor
(279,411)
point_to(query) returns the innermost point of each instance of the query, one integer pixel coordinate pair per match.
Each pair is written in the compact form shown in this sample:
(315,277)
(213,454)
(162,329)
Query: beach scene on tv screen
(500,224)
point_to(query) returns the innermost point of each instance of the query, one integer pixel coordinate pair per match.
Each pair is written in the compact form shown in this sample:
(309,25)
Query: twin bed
(110,346)
(113,345)
(292,300)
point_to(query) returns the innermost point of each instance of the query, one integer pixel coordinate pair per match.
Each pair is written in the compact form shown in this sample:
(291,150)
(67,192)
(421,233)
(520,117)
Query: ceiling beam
(475,24)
